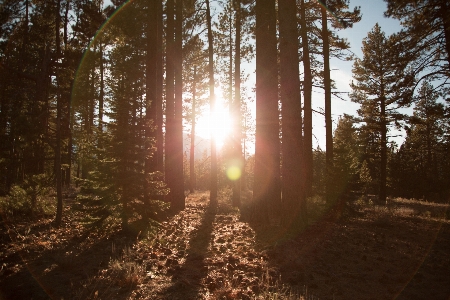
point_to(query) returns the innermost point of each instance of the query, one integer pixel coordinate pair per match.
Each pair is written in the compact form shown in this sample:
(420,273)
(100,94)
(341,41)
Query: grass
(144,265)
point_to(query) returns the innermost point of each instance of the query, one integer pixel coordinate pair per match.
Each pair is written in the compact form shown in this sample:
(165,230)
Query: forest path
(377,252)
(203,253)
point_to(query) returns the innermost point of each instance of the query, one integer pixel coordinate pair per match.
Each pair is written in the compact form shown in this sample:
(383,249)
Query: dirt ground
(398,251)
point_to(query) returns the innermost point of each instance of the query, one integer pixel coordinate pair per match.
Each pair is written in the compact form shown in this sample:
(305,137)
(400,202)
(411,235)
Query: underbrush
(23,202)
(401,207)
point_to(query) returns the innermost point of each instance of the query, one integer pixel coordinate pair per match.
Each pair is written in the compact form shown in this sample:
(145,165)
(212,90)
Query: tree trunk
(192,149)
(212,105)
(383,167)
(170,105)
(59,206)
(237,107)
(328,120)
(150,107)
(293,185)
(159,91)
(307,93)
(266,193)
(179,201)
(102,92)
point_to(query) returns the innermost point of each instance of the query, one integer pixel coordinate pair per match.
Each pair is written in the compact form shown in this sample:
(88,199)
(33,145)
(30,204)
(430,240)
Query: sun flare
(218,126)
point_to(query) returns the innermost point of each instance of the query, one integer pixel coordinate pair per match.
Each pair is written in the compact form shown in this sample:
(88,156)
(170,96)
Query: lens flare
(233,173)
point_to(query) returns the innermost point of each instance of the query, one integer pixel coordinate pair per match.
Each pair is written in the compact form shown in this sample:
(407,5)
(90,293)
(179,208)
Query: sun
(218,126)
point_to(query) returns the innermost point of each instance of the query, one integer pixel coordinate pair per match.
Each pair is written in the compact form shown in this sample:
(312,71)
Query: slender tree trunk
(327,87)
(102,92)
(159,90)
(170,104)
(68,158)
(237,107)
(179,201)
(307,92)
(192,149)
(212,104)
(150,113)
(383,167)
(266,194)
(59,206)
(293,186)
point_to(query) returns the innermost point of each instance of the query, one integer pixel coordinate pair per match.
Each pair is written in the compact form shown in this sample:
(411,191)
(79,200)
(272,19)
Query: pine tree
(426,35)
(346,158)
(421,161)
(266,188)
(319,43)
(381,85)
(212,105)
(293,184)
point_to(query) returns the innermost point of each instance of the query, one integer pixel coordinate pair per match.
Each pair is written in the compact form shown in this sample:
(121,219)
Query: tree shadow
(187,278)
(66,269)
(432,278)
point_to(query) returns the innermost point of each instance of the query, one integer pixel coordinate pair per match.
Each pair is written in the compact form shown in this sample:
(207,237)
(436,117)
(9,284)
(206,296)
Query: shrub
(30,198)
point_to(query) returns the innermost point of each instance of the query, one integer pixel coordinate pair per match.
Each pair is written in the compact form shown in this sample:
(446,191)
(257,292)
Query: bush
(29,199)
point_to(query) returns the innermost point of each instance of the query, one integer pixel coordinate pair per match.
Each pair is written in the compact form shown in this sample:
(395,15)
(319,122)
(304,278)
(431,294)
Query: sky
(341,71)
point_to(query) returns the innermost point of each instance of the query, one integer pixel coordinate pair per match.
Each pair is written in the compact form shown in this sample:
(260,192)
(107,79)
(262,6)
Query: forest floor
(371,251)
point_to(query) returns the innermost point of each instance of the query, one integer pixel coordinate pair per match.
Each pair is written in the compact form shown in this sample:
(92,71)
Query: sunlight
(220,124)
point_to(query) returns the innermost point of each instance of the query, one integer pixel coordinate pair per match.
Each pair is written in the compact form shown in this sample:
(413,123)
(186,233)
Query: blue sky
(341,71)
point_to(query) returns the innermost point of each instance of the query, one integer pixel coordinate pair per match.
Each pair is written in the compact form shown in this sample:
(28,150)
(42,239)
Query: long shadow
(432,279)
(56,273)
(187,279)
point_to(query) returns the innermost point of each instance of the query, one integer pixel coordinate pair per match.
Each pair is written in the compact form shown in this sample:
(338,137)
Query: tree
(212,105)
(319,43)
(174,139)
(293,184)
(151,73)
(307,96)
(346,158)
(421,160)
(236,107)
(266,190)
(179,203)
(343,19)
(426,36)
(382,84)
(327,87)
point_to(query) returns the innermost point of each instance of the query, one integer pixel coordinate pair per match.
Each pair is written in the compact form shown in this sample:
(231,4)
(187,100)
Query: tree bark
(212,104)
(150,158)
(307,93)
(266,189)
(192,149)
(293,171)
(170,105)
(328,119)
(59,206)
(159,90)
(179,201)
(237,107)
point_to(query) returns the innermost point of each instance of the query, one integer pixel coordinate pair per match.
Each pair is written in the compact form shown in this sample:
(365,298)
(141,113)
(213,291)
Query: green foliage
(421,166)
(425,36)
(319,174)
(29,199)
(346,155)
